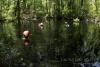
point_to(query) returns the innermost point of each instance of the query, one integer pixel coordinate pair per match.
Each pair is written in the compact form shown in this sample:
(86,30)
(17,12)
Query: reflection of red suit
(26,37)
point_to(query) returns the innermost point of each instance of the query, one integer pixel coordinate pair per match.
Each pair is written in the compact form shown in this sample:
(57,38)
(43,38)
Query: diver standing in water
(26,35)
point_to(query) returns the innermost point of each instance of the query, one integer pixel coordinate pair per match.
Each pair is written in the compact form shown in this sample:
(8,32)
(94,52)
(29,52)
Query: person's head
(26,33)
(41,25)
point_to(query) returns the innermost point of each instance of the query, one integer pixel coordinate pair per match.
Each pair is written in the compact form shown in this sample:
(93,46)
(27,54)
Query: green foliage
(90,7)
(9,30)
(71,29)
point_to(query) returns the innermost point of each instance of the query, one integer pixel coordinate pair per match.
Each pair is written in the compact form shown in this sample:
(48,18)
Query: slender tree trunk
(47,5)
(18,18)
(34,5)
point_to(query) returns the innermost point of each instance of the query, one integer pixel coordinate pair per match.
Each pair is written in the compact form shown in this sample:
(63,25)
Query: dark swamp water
(55,43)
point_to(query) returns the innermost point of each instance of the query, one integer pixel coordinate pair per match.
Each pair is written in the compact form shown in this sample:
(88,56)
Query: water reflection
(53,42)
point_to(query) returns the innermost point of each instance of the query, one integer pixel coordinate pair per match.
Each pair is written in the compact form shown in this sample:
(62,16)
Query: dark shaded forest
(64,33)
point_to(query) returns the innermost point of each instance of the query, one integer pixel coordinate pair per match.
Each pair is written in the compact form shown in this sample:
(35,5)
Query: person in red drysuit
(26,35)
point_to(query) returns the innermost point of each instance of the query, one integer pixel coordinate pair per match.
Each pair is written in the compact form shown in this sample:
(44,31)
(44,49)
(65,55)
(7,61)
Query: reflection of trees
(70,30)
